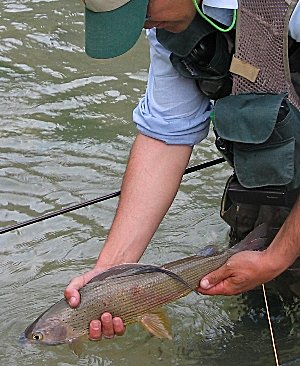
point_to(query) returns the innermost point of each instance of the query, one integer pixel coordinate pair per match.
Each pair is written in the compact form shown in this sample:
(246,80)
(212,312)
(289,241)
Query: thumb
(213,278)
(71,292)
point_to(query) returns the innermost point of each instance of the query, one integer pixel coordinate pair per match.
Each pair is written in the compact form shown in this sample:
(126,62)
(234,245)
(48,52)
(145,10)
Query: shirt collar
(223,4)
(220,10)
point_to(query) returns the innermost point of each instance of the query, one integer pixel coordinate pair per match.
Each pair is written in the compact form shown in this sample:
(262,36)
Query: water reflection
(65,136)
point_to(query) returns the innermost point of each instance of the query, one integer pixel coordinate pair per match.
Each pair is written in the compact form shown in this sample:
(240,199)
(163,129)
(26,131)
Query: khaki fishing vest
(260,118)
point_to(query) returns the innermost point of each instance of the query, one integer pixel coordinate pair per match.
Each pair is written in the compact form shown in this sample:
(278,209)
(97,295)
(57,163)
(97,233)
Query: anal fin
(157,323)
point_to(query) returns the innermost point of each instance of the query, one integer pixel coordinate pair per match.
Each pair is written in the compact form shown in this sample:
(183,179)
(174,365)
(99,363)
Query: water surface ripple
(65,136)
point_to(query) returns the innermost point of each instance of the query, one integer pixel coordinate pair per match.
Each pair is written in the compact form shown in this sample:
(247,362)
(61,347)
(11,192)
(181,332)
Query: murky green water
(65,135)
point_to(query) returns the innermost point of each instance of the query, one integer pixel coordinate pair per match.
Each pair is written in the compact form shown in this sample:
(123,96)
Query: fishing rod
(96,200)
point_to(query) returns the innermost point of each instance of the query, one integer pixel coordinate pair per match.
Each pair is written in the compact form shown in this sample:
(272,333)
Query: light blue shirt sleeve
(173,110)
(294,25)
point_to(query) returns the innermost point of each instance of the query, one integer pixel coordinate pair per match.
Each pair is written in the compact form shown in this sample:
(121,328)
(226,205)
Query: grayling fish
(134,292)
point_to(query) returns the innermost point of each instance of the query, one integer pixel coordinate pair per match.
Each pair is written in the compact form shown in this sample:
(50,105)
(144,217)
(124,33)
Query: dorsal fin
(133,269)
(117,271)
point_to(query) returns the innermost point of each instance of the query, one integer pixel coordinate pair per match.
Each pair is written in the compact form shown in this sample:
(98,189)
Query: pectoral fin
(157,323)
(77,345)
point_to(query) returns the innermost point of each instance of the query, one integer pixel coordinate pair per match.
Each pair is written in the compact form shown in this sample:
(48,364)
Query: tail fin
(259,238)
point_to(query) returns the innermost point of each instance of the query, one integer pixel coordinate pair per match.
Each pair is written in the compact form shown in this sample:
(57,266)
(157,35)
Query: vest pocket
(259,165)
(264,133)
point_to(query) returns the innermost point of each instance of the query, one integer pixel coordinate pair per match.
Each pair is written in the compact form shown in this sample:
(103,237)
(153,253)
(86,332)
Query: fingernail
(95,324)
(205,284)
(73,301)
(106,317)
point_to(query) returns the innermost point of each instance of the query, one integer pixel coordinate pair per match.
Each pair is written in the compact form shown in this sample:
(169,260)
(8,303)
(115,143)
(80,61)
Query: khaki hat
(112,27)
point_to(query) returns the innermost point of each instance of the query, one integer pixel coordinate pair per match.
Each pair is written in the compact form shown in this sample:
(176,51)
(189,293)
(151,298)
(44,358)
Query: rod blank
(95,200)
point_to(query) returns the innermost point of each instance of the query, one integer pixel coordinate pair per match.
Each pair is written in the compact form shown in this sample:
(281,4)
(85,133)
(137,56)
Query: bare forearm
(151,181)
(285,248)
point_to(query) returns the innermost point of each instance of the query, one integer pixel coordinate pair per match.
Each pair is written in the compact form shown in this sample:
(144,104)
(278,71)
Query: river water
(65,136)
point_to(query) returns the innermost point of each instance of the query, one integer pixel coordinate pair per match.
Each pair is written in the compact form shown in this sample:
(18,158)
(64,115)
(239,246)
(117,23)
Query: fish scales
(130,303)
(129,291)
(144,293)
(191,270)
(132,299)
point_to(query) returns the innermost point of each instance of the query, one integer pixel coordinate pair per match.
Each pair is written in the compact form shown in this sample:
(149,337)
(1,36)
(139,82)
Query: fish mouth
(23,341)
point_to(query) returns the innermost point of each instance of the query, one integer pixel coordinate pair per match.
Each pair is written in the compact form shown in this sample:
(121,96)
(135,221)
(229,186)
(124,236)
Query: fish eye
(37,336)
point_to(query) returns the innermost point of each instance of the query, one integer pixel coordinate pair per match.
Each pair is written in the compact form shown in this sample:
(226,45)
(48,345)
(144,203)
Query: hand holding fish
(106,325)
(242,272)
(133,292)
(72,290)
(246,270)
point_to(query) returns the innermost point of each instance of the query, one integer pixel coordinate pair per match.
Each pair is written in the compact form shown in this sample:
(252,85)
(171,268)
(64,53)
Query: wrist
(275,261)
(102,265)
(110,258)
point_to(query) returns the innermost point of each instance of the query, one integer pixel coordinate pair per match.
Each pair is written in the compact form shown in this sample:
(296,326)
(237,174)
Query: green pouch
(265,143)
(201,53)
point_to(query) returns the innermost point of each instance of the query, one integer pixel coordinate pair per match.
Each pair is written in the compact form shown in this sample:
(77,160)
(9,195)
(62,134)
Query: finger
(119,327)
(71,292)
(215,277)
(219,289)
(107,325)
(95,330)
